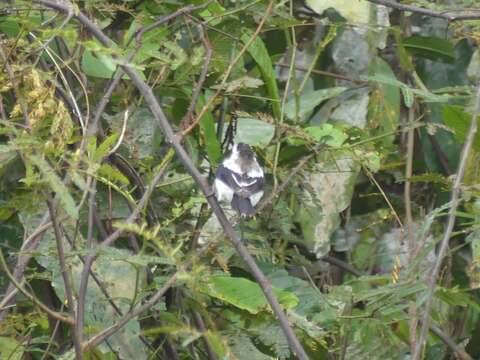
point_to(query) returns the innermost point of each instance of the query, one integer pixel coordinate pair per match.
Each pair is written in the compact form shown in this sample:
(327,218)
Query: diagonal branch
(201,181)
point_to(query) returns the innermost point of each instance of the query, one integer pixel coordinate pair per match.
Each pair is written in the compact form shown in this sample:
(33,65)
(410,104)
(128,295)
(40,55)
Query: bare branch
(67,281)
(450,15)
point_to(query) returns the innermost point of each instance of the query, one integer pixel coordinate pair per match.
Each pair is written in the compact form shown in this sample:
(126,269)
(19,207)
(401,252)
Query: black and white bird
(239,180)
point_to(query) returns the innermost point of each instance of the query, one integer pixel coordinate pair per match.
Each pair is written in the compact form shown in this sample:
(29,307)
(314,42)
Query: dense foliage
(358,114)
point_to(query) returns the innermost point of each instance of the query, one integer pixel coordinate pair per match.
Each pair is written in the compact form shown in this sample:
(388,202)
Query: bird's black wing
(226,176)
(242,185)
(252,185)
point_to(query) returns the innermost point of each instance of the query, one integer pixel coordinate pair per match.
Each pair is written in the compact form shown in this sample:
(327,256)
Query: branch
(303,161)
(341,264)
(185,122)
(30,244)
(447,340)
(324,73)
(103,335)
(175,141)
(455,200)
(67,281)
(228,71)
(56,315)
(447,15)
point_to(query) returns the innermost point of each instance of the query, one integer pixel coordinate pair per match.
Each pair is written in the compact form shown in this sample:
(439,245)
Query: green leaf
(407,96)
(432,48)
(384,108)
(457,297)
(254,131)
(241,83)
(310,100)
(113,174)
(48,173)
(426,95)
(207,127)
(244,349)
(332,136)
(245,294)
(459,121)
(11,349)
(259,53)
(105,147)
(97,61)
(98,66)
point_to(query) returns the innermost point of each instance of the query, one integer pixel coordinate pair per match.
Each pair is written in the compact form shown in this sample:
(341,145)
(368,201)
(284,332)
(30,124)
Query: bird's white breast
(222,191)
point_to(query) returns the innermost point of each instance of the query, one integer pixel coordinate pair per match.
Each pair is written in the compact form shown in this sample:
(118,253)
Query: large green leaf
(384,107)
(11,349)
(259,53)
(310,100)
(207,127)
(459,121)
(432,48)
(254,131)
(245,294)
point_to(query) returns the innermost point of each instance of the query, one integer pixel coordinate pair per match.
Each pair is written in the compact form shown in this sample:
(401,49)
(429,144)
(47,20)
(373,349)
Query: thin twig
(408,184)
(228,71)
(106,333)
(67,281)
(52,337)
(341,264)
(447,15)
(185,122)
(325,73)
(122,134)
(291,174)
(182,11)
(455,200)
(292,44)
(29,244)
(102,104)
(447,340)
(56,315)
(203,329)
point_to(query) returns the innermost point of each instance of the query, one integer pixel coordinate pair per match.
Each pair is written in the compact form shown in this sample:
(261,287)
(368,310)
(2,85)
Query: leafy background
(358,114)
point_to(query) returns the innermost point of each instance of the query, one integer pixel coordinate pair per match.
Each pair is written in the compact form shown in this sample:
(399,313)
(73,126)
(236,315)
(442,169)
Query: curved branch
(56,315)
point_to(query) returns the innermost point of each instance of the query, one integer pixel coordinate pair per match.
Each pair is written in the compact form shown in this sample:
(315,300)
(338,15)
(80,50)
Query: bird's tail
(242,205)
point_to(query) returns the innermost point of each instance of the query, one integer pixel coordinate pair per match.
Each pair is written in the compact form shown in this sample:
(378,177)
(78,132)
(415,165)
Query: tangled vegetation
(114,116)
